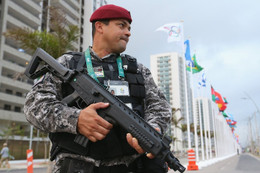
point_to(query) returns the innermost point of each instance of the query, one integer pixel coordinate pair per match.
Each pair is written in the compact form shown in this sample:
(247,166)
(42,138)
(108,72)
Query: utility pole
(257,134)
(257,142)
(251,135)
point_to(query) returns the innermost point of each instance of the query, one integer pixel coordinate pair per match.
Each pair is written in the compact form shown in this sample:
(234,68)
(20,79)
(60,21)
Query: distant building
(31,14)
(168,70)
(13,59)
(205,113)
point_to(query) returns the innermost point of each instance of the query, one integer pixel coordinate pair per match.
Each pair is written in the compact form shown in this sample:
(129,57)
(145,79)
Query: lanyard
(91,70)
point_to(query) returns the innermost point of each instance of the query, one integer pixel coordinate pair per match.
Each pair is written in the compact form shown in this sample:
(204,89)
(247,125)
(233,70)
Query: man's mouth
(125,39)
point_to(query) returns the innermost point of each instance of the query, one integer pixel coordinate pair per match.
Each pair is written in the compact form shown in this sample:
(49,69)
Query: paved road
(237,164)
(244,163)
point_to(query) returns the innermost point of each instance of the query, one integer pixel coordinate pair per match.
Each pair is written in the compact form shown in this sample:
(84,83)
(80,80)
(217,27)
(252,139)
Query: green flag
(195,66)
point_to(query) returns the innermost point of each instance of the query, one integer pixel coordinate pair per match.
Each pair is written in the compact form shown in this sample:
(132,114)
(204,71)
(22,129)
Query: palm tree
(175,123)
(174,120)
(56,42)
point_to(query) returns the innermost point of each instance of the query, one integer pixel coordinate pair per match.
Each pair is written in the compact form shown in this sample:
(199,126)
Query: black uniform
(43,106)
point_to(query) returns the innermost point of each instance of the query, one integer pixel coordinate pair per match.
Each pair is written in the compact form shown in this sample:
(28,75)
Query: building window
(19,94)
(8,91)
(17,109)
(7,107)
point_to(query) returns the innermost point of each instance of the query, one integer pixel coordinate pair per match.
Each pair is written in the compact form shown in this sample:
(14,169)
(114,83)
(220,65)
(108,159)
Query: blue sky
(224,34)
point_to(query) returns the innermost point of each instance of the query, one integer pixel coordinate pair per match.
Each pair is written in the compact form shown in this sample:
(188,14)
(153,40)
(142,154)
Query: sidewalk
(38,163)
(22,164)
(203,163)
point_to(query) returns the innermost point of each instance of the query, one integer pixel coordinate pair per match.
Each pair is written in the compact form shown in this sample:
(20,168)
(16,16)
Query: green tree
(56,42)
(11,130)
(175,121)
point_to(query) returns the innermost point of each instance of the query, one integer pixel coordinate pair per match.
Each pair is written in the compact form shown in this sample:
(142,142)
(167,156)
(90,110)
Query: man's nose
(128,32)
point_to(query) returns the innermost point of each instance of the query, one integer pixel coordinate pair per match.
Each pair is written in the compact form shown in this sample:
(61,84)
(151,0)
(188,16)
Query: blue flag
(202,82)
(187,52)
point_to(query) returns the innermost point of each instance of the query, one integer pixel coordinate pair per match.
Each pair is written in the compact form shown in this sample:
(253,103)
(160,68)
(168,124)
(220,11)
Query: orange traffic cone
(192,161)
(29,161)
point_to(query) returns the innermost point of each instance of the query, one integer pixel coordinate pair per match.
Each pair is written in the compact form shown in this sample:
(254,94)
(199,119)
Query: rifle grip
(81,140)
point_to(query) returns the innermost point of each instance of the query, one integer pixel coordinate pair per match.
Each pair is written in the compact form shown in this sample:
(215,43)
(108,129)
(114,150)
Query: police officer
(111,149)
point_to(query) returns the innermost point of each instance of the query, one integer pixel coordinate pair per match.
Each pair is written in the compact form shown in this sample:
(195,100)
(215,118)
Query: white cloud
(224,34)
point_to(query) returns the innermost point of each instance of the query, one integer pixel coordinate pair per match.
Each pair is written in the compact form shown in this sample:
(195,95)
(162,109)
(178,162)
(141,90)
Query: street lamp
(249,98)
(257,110)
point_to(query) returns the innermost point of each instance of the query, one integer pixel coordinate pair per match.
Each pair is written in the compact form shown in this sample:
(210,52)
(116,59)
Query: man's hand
(91,125)
(133,142)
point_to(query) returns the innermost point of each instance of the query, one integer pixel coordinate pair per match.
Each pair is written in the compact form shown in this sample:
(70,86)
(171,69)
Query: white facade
(168,70)
(204,117)
(12,61)
(30,14)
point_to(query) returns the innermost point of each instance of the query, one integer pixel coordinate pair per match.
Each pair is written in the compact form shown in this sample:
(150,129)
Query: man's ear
(99,26)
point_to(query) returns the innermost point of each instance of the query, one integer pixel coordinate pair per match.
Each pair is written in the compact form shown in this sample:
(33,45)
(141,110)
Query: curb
(22,164)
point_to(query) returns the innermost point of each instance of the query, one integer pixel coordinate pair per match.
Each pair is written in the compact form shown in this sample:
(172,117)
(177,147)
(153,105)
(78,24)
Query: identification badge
(117,88)
(99,71)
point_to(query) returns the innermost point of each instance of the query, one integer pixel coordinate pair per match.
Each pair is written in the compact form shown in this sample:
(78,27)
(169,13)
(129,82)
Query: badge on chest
(118,88)
(99,72)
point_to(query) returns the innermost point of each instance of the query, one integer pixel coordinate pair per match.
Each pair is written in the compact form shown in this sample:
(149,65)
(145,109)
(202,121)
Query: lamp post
(257,111)
(249,98)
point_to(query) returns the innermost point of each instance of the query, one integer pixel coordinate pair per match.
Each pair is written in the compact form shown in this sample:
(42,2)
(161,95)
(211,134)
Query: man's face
(116,35)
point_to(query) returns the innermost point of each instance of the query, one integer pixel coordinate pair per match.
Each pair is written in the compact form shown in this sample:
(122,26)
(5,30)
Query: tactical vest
(114,144)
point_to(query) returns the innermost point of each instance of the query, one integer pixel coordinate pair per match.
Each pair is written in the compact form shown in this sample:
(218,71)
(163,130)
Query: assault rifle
(118,113)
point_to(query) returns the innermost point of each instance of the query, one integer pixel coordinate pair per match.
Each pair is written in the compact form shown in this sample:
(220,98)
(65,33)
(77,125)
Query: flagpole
(199,94)
(214,128)
(207,133)
(201,133)
(186,90)
(194,115)
(209,136)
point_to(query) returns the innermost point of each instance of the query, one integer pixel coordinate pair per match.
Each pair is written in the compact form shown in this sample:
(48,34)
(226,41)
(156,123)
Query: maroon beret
(110,12)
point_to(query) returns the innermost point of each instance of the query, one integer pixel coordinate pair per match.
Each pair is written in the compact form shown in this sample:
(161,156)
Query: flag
(225,100)
(187,52)
(202,82)
(195,66)
(174,31)
(213,94)
(225,114)
(221,104)
(217,98)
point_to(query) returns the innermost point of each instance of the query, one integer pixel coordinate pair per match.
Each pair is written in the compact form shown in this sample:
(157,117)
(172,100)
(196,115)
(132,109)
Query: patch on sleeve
(39,80)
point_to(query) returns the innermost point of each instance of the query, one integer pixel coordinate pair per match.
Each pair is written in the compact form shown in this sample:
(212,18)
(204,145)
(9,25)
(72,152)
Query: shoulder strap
(129,63)
(76,60)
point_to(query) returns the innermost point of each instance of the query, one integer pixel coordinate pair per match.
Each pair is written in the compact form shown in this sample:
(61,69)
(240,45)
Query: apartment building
(32,14)
(169,73)
(205,117)
(13,60)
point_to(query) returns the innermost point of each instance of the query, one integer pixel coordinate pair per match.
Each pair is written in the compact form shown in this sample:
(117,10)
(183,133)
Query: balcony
(12,98)
(74,4)
(23,15)
(29,6)
(14,52)
(14,83)
(12,116)
(66,7)
(14,23)
(12,65)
